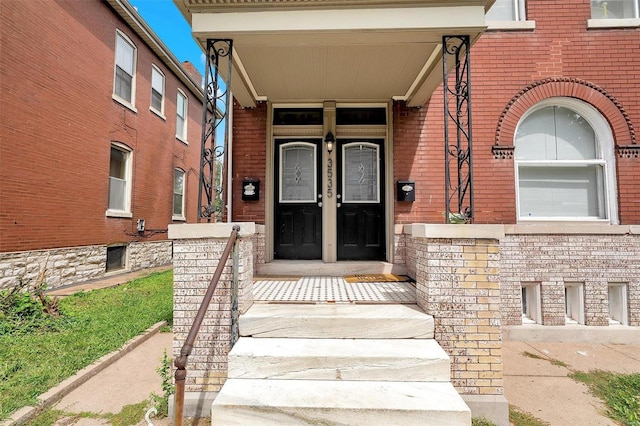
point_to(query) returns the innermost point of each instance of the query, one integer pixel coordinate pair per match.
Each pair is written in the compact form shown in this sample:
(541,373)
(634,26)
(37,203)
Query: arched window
(564,163)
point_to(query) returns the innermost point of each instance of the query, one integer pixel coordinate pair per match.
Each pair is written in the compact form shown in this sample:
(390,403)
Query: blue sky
(168,23)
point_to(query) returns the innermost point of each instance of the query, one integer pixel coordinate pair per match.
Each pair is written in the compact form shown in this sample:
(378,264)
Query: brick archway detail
(613,111)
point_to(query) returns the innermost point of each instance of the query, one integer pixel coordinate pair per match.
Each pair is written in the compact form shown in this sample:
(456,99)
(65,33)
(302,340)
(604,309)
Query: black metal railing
(181,361)
(458,154)
(216,107)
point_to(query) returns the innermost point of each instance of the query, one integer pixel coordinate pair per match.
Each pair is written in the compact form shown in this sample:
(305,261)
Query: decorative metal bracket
(459,178)
(215,125)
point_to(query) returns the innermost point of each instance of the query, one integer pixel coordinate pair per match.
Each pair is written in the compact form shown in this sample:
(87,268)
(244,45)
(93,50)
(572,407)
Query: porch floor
(323,289)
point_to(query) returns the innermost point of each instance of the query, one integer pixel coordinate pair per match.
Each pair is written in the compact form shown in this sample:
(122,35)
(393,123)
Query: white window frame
(519,21)
(621,317)
(531,303)
(129,104)
(377,148)
(284,146)
(574,302)
(180,216)
(126,212)
(182,136)
(604,149)
(633,21)
(157,74)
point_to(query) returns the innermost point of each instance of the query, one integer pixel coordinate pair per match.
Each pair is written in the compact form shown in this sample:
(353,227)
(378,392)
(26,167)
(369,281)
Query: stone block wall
(72,265)
(150,255)
(594,257)
(197,252)
(457,282)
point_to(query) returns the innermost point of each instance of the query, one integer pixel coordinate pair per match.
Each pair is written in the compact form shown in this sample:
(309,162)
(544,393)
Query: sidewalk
(544,389)
(129,380)
(536,375)
(532,382)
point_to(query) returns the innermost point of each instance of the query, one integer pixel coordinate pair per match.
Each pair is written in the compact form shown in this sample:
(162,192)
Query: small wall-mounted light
(140,225)
(329,140)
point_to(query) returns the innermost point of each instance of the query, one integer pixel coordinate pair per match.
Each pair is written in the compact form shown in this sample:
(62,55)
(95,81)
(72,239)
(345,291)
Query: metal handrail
(181,361)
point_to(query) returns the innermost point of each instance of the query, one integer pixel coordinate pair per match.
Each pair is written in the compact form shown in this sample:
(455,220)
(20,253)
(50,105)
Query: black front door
(298,211)
(360,213)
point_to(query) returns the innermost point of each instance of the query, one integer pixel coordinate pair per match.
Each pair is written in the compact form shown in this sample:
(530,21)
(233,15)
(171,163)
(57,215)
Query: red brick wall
(58,121)
(503,64)
(249,160)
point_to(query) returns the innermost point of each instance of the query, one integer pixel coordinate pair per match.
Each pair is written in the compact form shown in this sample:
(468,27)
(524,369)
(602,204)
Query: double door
(357,211)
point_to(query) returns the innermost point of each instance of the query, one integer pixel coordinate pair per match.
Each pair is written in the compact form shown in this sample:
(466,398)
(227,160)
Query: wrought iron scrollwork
(215,113)
(458,154)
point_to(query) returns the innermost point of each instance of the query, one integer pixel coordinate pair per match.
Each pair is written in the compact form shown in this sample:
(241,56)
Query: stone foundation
(71,265)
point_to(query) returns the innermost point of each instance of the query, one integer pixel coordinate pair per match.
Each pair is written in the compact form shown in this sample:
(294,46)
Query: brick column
(197,249)
(457,281)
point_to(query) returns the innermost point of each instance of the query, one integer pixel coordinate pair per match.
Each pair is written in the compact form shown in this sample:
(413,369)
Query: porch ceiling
(346,50)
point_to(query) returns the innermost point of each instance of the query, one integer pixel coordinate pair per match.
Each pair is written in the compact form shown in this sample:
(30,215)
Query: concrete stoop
(338,365)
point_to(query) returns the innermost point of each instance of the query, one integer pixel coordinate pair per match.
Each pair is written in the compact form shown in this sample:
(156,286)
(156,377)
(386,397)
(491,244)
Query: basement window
(574,303)
(116,258)
(531,313)
(618,304)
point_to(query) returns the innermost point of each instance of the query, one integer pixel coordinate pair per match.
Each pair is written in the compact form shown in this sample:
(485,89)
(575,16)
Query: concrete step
(339,359)
(337,321)
(296,402)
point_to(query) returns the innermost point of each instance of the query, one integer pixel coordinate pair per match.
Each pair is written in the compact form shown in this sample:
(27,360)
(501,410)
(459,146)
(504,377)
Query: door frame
(329,225)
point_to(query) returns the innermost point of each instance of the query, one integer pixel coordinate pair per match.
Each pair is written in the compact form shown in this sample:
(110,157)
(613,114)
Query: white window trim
(184,186)
(624,320)
(534,304)
(131,105)
(344,174)
(315,172)
(511,25)
(607,160)
(520,21)
(617,22)
(575,299)
(126,213)
(159,113)
(613,23)
(183,137)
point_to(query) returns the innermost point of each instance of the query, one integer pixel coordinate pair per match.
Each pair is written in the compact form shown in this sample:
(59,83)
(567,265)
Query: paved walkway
(533,383)
(536,376)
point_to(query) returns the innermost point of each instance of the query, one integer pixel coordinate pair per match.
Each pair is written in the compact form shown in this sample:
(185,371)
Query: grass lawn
(91,325)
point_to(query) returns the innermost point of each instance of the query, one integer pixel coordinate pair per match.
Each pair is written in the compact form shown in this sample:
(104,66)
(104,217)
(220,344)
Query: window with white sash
(119,181)
(615,9)
(507,10)
(157,90)
(564,163)
(124,72)
(181,116)
(178,194)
